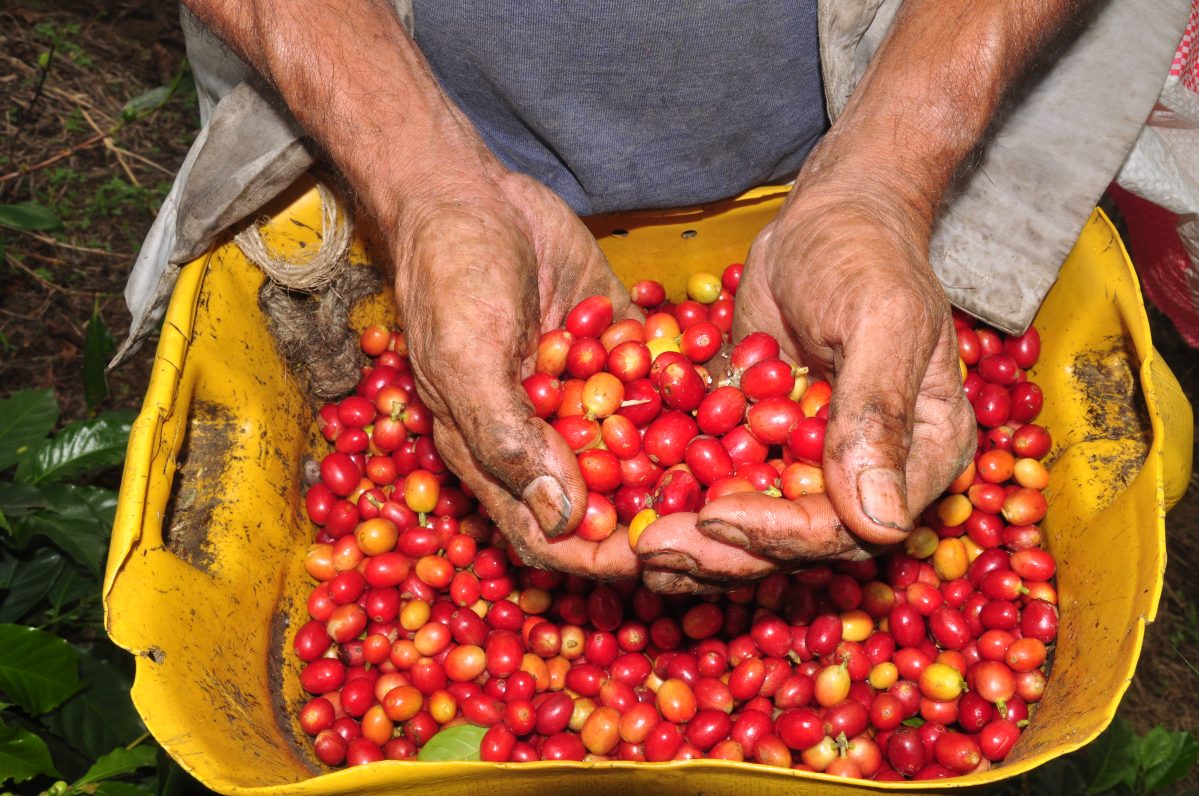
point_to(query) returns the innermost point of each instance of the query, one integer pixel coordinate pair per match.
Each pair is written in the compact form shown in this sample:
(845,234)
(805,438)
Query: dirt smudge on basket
(240,708)
(1108,382)
(286,714)
(196,490)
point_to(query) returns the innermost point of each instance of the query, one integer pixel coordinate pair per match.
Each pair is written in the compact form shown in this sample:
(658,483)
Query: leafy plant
(62,37)
(98,346)
(1121,761)
(66,721)
(1118,763)
(29,217)
(456,743)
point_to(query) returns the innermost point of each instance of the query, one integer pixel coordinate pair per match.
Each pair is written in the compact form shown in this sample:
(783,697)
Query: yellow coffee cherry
(703,287)
(640,520)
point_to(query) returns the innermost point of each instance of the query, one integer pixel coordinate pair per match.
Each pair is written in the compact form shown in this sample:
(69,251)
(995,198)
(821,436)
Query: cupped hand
(483,266)
(841,279)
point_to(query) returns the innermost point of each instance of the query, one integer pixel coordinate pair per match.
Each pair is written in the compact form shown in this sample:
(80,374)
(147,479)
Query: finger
(478,322)
(571,266)
(757,307)
(611,559)
(796,531)
(607,560)
(943,432)
(593,276)
(674,543)
(882,363)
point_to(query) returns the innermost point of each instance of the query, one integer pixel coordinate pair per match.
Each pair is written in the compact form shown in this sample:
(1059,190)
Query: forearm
(355,80)
(932,90)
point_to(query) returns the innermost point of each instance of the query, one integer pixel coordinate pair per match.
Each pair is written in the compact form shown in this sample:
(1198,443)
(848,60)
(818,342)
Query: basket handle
(140,509)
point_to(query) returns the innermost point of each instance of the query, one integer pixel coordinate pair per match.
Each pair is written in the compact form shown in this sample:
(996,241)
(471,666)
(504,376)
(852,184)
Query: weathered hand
(482,268)
(841,278)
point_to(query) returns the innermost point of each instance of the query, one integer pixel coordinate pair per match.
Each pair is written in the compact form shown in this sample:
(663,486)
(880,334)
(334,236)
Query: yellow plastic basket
(205,579)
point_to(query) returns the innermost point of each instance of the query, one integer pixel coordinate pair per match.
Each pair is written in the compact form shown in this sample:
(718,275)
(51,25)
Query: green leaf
(101,503)
(1112,758)
(84,541)
(79,522)
(26,417)
(147,102)
(915,721)
(70,762)
(456,743)
(31,581)
(98,347)
(71,587)
(101,716)
(119,762)
(79,449)
(23,755)
(122,789)
(1060,777)
(38,670)
(18,498)
(29,217)
(1166,757)
(173,780)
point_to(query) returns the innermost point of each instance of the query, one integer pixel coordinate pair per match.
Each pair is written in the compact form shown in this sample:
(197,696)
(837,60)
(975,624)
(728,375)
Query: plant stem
(83,605)
(145,736)
(66,153)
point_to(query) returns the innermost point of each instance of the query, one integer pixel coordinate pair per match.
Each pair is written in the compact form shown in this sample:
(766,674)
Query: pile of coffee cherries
(921,664)
(652,431)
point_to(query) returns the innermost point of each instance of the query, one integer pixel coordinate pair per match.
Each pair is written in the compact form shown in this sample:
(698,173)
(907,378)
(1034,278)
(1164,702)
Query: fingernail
(881,496)
(670,559)
(722,531)
(549,504)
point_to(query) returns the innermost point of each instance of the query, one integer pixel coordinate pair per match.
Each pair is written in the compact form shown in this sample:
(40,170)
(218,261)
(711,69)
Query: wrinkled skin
(841,279)
(479,277)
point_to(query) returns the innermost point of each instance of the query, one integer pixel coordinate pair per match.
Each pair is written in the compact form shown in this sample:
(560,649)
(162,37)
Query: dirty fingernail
(722,531)
(549,504)
(881,496)
(669,559)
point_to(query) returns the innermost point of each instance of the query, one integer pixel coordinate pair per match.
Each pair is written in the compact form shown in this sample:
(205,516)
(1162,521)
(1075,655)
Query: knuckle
(885,412)
(884,423)
(500,452)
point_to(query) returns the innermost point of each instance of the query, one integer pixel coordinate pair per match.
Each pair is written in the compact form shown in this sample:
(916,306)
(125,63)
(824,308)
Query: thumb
(607,560)
(869,434)
(477,379)
(528,457)
(473,321)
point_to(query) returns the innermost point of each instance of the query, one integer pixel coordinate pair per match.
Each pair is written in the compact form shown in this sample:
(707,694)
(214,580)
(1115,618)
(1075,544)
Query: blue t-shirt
(626,104)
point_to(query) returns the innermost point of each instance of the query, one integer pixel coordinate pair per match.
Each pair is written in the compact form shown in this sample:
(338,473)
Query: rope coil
(308,295)
(310,269)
